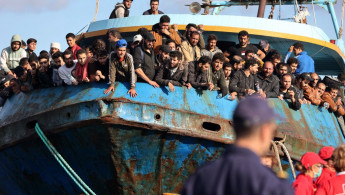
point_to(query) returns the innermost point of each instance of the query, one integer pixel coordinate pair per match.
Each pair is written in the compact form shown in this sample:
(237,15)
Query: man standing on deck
(72,45)
(239,171)
(145,60)
(243,46)
(154,8)
(11,55)
(162,33)
(121,9)
(113,36)
(305,62)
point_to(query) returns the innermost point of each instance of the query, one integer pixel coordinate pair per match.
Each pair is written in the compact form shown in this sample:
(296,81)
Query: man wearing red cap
(335,185)
(311,168)
(328,171)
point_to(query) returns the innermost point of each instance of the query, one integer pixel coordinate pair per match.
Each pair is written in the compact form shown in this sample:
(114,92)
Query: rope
(342,21)
(312,2)
(288,157)
(276,152)
(97,4)
(85,188)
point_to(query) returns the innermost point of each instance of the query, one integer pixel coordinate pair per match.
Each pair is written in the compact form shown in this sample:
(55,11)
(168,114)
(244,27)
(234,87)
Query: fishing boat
(76,139)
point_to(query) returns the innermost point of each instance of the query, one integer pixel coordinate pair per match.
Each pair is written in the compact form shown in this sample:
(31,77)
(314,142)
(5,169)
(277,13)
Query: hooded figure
(11,55)
(120,10)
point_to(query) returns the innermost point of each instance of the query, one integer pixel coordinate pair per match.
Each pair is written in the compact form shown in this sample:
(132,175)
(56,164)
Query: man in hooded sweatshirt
(121,9)
(11,55)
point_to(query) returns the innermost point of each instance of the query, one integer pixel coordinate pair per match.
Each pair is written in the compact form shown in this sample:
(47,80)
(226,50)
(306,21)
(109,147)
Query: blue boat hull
(111,159)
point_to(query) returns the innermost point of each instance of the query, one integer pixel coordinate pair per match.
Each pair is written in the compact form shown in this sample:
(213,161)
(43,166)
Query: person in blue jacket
(305,62)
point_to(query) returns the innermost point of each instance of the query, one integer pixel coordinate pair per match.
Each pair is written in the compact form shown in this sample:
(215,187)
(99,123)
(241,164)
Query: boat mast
(261,10)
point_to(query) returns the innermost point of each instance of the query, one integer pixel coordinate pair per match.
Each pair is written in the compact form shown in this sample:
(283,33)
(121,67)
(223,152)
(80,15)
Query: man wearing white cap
(54,47)
(136,42)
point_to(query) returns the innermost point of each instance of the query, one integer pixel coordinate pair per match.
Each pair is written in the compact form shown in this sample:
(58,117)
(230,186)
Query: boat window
(211,126)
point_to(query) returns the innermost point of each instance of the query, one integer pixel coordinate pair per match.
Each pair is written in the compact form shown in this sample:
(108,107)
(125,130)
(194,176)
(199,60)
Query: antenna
(195,7)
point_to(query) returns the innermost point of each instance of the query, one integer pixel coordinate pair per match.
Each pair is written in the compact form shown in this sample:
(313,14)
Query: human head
(24,62)
(252,66)
(171,43)
(68,58)
(54,47)
(43,60)
(5,81)
(293,63)
(164,51)
(190,28)
(31,44)
(264,45)
(339,158)
(298,47)
(121,48)
(113,35)
(212,41)
(282,69)
(276,59)
(127,3)
(21,73)
(148,40)
(333,90)
(97,46)
(227,68)
(285,81)
(312,164)
(137,40)
(164,22)
(16,42)
(254,123)
(321,88)
(33,60)
(194,38)
(58,58)
(341,77)
(243,38)
(268,69)
(303,80)
(315,78)
(70,38)
(326,154)
(203,60)
(269,160)
(175,58)
(102,57)
(237,62)
(15,85)
(217,61)
(23,44)
(154,5)
(250,54)
(89,51)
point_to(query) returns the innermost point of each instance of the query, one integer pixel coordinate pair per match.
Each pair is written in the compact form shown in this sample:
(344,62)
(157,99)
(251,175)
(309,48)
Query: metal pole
(261,10)
(334,18)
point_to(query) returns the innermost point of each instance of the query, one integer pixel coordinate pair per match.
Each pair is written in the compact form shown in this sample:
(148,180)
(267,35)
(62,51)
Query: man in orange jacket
(163,33)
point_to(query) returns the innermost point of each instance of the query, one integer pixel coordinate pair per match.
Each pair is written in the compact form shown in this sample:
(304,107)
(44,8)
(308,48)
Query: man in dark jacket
(145,60)
(267,84)
(174,73)
(242,83)
(239,170)
(287,92)
(121,9)
(217,74)
(154,8)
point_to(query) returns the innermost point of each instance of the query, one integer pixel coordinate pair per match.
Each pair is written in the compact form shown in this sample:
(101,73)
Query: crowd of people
(162,56)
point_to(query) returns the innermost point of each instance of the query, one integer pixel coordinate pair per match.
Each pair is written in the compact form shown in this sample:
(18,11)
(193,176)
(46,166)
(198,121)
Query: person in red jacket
(336,185)
(72,45)
(311,168)
(328,171)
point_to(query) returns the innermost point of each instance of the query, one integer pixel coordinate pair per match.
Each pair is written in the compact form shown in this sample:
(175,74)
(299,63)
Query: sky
(50,20)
